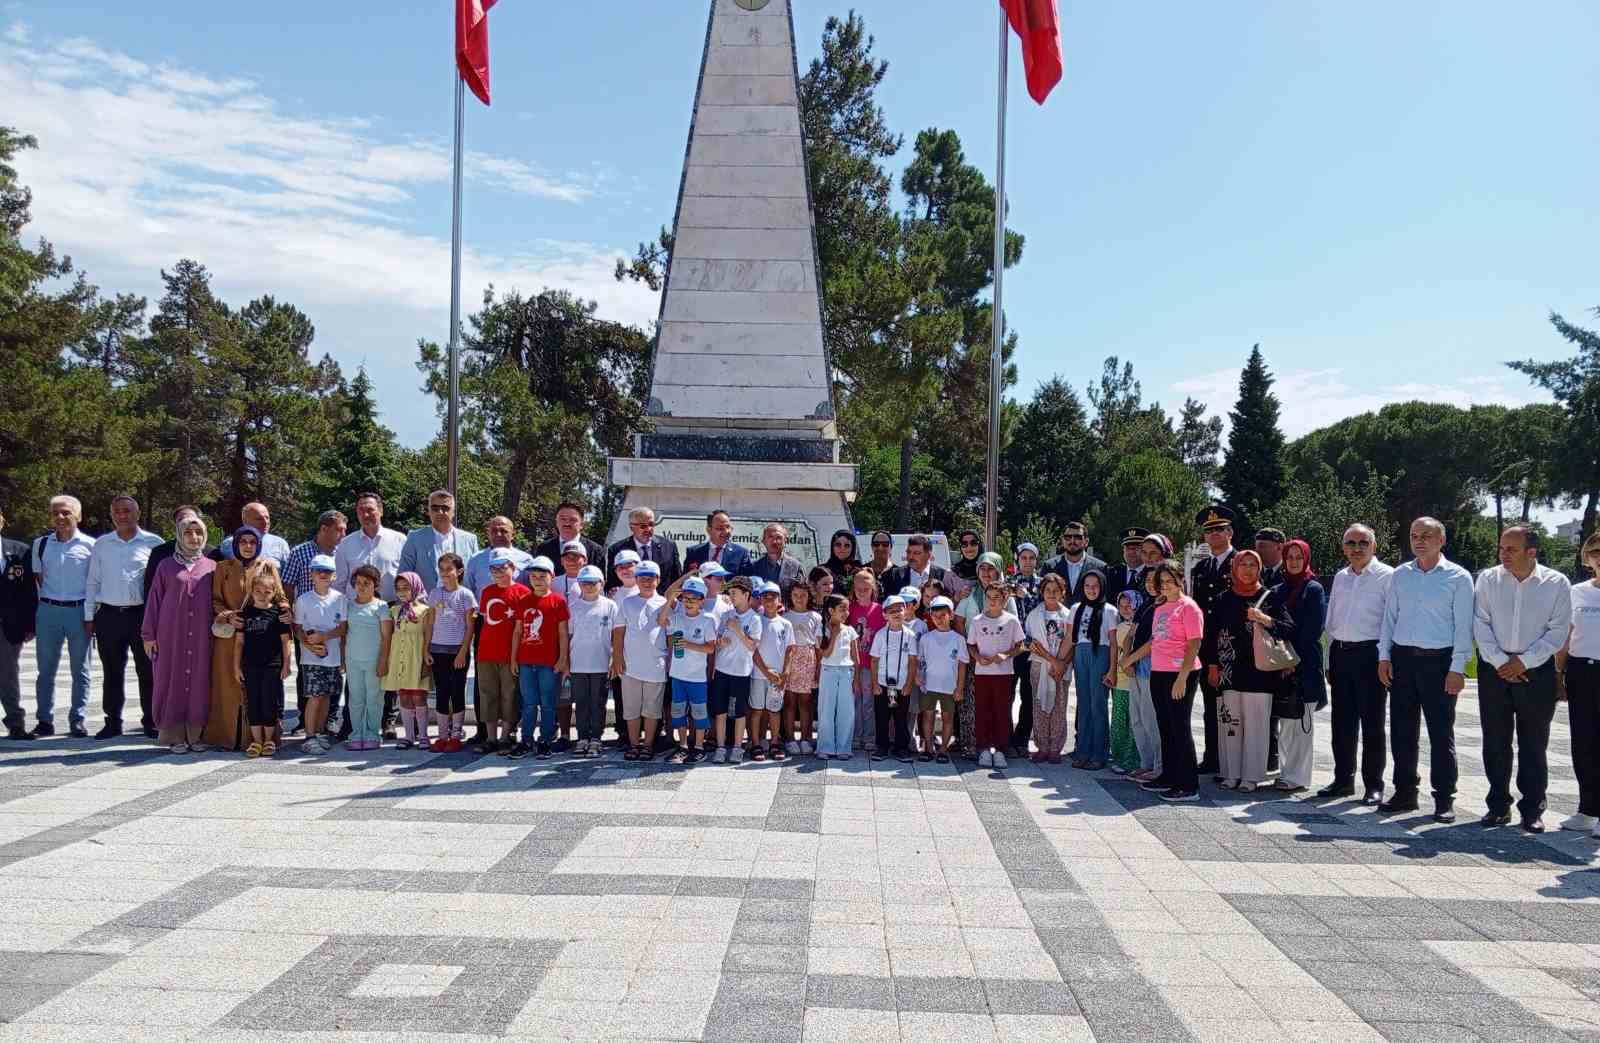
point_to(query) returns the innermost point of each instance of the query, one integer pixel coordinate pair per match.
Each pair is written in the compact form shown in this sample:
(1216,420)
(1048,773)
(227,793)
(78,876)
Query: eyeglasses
(441,507)
(1358,543)
(882,543)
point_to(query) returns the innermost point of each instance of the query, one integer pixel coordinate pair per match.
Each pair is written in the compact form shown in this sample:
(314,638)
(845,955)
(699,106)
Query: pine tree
(1252,467)
(361,455)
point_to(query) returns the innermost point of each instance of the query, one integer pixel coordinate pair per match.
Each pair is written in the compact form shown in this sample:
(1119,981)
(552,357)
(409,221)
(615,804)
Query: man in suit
(917,570)
(425,546)
(569,526)
(719,547)
(1130,574)
(643,541)
(18,602)
(1208,582)
(1269,544)
(1074,561)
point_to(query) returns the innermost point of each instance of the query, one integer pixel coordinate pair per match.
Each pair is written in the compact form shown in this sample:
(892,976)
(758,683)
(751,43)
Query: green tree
(937,497)
(1320,511)
(1252,467)
(548,391)
(1148,488)
(1198,440)
(1048,468)
(360,455)
(1575,385)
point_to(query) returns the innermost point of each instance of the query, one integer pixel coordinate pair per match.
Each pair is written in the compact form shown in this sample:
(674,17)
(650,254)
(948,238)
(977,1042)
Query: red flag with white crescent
(1038,24)
(472,45)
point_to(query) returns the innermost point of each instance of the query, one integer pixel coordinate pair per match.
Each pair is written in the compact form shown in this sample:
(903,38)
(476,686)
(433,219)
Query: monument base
(811,516)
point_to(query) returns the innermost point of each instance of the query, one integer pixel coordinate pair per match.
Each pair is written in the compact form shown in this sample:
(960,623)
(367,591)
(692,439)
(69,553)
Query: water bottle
(677,644)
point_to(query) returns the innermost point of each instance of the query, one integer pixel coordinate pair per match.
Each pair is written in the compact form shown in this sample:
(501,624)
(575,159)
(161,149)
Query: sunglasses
(440,507)
(1358,543)
(969,543)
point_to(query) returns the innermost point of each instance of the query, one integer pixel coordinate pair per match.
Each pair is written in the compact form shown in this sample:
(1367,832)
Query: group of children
(752,670)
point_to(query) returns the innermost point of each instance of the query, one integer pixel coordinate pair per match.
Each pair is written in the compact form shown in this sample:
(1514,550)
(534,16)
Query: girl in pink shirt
(866,618)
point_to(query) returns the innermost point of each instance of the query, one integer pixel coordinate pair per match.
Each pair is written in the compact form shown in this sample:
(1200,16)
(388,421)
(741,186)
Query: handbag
(1273,654)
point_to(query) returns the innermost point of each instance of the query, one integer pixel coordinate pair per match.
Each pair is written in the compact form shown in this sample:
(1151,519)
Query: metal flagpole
(991,520)
(453,434)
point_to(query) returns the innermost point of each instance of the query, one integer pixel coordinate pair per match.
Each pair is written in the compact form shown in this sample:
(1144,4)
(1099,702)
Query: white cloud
(1315,398)
(142,163)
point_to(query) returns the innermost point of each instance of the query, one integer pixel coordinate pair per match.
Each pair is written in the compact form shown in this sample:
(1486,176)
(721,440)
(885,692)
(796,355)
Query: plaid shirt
(297,571)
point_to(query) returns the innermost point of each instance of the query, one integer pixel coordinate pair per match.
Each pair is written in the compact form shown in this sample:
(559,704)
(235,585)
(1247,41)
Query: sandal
(253,750)
(403,744)
(942,758)
(757,753)
(924,757)
(631,753)
(645,753)
(776,752)
(268,748)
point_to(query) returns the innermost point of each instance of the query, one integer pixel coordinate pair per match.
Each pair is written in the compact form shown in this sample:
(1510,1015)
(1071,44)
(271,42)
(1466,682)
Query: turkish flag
(1038,25)
(472,45)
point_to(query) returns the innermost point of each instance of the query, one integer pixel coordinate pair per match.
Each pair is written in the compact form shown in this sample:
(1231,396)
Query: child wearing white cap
(894,667)
(593,618)
(943,669)
(691,638)
(639,656)
(319,623)
(739,634)
(766,685)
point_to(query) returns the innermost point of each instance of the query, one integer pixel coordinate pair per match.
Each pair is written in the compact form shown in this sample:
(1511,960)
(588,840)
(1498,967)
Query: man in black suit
(917,570)
(1208,582)
(1130,574)
(650,547)
(569,526)
(1074,561)
(1269,544)
(18,600)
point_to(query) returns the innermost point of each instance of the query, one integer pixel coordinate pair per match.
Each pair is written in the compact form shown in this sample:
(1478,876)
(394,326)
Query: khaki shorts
(497,692)
(944,702)
(642,698)
(764,695)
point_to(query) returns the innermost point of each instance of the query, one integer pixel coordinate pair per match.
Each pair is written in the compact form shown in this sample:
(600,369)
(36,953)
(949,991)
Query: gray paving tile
(945,995)
(850,992)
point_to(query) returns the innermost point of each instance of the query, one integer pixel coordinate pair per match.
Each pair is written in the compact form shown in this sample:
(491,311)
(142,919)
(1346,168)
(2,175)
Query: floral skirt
(802,673)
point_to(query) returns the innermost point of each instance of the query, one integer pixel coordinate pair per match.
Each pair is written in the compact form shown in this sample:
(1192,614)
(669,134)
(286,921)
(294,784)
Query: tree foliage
(1575,384)
(1252,468)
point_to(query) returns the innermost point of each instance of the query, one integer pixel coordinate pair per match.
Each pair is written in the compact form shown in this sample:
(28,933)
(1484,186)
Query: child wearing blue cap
(691,638)
(319,626)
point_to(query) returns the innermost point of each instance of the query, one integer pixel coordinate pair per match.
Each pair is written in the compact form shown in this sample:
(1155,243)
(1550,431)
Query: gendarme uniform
(1124,576)
(1210,580)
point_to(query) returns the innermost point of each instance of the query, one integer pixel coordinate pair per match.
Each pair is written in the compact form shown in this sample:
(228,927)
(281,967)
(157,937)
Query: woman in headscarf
(969,548)
(986,569)
(1244,713)
(230,589)
(177,638)
(1144,713)
(1305,600)
(844,558)
(1093,634)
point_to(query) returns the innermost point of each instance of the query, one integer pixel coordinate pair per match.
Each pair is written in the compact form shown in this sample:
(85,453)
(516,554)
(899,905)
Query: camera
(894,695)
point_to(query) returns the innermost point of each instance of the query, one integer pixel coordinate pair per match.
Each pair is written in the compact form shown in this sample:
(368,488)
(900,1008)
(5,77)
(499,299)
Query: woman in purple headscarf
(177,637)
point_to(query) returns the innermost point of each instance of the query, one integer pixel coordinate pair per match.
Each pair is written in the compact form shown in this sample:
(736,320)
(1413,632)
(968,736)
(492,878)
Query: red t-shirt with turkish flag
(497,607)
(541,619)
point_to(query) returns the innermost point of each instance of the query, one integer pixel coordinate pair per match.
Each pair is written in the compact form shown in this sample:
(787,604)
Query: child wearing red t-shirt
(497,678)
(539,646)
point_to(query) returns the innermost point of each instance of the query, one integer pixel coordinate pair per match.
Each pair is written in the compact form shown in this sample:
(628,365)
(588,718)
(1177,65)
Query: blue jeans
(836,711)
(366,701)
(538,685)
(1089,666)
(52,625)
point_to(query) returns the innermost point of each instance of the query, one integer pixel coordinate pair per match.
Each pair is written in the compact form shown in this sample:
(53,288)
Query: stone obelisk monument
(741,397)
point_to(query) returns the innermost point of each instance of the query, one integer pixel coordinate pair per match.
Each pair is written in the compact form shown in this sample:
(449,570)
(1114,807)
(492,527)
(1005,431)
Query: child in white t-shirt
(589,650)
(771,660)
(943,663)
(836,710)
(894,668)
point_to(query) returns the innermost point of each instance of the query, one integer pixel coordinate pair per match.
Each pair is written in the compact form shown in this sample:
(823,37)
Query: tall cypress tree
(1252,467)
(361,455)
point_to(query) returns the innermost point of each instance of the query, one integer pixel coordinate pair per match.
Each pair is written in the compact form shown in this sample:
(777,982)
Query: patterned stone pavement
(401,896)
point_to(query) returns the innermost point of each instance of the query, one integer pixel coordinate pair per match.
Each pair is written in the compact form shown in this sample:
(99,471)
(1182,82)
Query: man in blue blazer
(424,546)
(719,548)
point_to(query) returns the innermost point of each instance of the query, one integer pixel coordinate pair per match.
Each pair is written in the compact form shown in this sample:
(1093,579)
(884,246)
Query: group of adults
(1254,631)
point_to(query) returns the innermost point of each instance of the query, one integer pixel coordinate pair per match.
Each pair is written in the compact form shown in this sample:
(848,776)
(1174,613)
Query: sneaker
(1177,795)
(696,755)
(806,747)
(1117,769)
(999,760)
(985,759)
(562,745)
(1154,785)
(736,755)
(794,748)
(544,750)
(720,757)
(517,752)
(1580,823)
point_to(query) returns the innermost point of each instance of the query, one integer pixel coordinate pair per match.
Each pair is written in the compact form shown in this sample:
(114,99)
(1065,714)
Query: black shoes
(78,731)
(1444,813)
(42,729)
(517,752)
(1533,825)
(1337,789)
(1373,797)
(1399,803)
(110,731)
(19,733)
(150,732)
(1495,818)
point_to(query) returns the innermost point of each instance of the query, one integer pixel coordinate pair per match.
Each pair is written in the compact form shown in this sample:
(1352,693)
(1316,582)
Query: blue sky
(1389,197)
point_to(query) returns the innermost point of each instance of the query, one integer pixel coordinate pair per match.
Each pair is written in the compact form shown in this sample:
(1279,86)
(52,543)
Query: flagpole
(992,484)
(453,423)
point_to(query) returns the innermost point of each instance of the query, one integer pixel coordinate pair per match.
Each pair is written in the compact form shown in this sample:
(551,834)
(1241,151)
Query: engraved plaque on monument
(741,396)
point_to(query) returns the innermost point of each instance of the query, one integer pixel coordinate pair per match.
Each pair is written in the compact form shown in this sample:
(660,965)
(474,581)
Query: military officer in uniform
(1269,544)
(1210,579)
(1130,574)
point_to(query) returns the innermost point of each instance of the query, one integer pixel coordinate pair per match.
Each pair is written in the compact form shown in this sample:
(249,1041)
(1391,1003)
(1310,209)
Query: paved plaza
(406,896)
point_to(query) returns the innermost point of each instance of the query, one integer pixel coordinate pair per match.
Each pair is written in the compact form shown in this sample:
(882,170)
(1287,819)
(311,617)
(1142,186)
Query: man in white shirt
(1521,614)
(371,544)
(61,570)
(113,611)
(425,546)
(1355,614)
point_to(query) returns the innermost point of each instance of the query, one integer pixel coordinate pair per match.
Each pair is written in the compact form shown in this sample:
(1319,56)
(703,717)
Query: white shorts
(764,695)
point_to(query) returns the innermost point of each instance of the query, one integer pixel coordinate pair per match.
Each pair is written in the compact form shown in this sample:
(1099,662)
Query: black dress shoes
(150,732)
(1373,797)
(43,728)
(110,731)
(19,733)
(1337,789)
(1496,818)
(78,731)
(1445,813)
(1398,803)
(1533,825)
